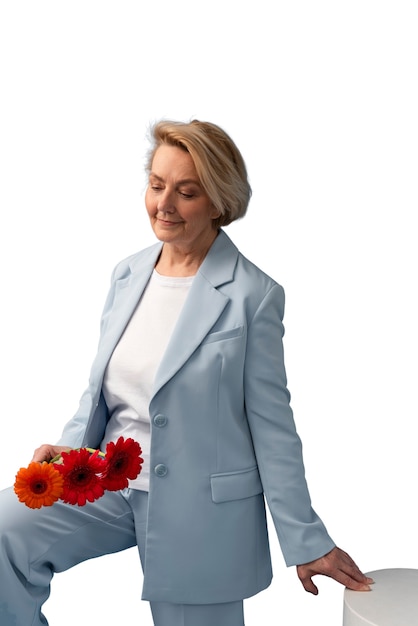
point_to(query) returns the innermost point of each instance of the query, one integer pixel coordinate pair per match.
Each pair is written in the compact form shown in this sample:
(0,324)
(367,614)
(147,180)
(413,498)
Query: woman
(190,364)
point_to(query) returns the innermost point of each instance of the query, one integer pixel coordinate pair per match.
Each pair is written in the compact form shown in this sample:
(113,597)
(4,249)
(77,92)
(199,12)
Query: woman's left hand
(338,565)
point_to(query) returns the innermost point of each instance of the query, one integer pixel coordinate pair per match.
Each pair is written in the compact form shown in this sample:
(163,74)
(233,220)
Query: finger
(305,577)
(352,583)
(357,580)
(47,452)
(355,573)
(348,567)
(309,585)
(43,453)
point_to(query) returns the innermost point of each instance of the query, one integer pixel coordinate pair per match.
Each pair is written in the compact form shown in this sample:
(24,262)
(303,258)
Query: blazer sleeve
(87,426)
(301,533)
(92,400)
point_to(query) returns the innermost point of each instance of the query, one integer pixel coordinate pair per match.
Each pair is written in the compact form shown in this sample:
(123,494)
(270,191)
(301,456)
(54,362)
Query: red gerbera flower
(123,462)
(38,485)
(81,472)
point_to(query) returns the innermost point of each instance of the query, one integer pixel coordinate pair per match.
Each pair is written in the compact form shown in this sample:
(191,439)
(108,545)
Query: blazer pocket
(224,334)
(235,485)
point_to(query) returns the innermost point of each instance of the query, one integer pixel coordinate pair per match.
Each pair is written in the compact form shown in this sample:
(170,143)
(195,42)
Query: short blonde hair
(218,162)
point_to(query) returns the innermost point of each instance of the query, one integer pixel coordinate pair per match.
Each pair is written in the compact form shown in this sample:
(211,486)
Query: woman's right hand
(46,452)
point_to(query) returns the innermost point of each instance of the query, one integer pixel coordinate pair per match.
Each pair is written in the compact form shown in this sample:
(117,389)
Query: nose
(165,202)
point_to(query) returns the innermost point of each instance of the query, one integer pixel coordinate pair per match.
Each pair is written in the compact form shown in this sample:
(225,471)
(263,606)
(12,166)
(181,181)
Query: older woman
(190,364)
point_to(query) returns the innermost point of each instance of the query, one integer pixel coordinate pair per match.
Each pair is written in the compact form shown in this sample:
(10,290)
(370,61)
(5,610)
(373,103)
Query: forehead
(171,161)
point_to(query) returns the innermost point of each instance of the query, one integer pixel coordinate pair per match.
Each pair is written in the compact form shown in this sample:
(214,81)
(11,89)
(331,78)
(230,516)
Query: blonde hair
(218,162)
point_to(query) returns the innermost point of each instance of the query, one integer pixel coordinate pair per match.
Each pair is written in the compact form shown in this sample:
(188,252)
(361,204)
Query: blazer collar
(219,265)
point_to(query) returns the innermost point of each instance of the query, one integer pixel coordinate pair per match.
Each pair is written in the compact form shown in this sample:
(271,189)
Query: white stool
(393,600)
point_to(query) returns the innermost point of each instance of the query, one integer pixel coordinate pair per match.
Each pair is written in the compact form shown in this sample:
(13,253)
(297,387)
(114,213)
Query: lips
(168,222)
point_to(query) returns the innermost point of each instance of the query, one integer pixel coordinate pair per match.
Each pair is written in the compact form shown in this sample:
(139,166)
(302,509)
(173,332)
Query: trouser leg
(226,614)
(34,544)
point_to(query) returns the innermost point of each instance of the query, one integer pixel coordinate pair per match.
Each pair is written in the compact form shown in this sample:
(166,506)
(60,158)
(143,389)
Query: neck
(176,260)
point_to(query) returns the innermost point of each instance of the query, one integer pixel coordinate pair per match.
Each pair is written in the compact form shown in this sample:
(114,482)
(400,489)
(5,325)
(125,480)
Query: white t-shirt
(129,376)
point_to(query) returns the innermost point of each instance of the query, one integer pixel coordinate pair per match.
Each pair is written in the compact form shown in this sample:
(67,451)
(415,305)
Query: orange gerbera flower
(38,485)
(123,462)
(81,473)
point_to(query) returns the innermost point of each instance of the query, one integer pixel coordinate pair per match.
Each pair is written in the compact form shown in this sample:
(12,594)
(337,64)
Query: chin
(163,235)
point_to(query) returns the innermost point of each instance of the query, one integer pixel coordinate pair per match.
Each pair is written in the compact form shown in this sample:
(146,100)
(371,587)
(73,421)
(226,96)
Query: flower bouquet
(79,476)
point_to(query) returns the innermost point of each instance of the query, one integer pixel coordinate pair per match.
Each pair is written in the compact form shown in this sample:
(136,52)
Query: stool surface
(393,600)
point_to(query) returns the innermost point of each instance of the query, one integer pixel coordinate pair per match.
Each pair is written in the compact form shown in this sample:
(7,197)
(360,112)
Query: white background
(321,97)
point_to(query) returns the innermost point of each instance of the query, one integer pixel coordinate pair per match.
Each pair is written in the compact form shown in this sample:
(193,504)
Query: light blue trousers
(34,544)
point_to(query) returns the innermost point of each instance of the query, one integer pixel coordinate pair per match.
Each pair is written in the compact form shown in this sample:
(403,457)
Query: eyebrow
(184,181)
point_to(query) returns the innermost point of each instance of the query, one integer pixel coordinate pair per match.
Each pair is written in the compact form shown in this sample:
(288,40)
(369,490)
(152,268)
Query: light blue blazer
(223,439)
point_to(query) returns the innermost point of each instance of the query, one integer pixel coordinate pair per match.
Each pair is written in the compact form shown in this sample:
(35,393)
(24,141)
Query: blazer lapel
(128,292)
(203,306)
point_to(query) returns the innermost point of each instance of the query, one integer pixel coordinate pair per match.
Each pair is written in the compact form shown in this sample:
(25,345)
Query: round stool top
(393,600)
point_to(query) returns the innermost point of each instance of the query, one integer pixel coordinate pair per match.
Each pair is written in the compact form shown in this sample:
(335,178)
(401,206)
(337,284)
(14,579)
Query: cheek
(149,204)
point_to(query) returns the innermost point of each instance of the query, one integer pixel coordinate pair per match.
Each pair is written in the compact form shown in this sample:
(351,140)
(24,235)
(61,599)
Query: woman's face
(180,212)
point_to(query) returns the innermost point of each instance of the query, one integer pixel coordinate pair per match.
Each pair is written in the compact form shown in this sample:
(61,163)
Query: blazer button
(160,470)
(160,421)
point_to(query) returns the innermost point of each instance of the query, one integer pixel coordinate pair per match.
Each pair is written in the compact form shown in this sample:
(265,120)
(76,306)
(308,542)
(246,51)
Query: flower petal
(38,485)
